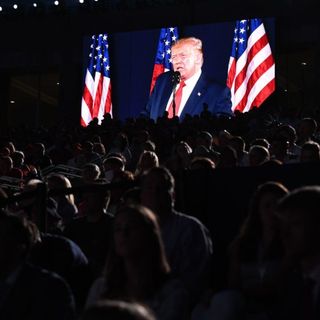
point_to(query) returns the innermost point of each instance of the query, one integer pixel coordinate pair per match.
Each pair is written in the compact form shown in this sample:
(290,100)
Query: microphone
(176,76)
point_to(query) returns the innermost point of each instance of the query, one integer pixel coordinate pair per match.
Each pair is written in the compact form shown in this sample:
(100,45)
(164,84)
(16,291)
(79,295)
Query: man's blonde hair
(193,41)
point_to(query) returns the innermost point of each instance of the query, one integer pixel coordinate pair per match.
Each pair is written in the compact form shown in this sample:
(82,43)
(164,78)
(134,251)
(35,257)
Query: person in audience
(306,130)
(27,292)
(112,165)
(137,268)
(187,241)
(258,155)
(202,163)
(67,208)
(310,152)
(256,253)
(228,157)
(204,146)
(63,256)
(180,158)
(120,144)
(91,231)
(90,173)
(299,283)
(147,160)
(239,145)
(289,133)
(260,142)
(117,310)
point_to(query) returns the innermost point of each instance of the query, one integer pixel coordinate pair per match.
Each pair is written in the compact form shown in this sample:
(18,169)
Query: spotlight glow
(15,6)
(56,3)
(35,5)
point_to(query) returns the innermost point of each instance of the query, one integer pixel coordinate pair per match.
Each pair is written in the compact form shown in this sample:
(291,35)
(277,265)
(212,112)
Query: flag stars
(241,40)
(235,39)
(105,37)
(242,30)
(167,42)
(171,29)
(174,38)
(98,48)
(243,21)
(105,59)
(235,30)
(168,51)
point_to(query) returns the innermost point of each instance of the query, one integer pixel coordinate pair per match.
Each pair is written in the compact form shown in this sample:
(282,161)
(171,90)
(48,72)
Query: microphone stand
(176,80)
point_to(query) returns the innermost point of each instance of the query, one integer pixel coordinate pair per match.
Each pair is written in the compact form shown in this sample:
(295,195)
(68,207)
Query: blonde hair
(193,41)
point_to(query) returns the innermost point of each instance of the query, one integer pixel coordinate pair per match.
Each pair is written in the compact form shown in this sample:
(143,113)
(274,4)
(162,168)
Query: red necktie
(177,100)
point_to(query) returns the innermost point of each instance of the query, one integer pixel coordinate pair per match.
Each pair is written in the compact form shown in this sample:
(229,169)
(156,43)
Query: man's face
(186,59)
(154,194)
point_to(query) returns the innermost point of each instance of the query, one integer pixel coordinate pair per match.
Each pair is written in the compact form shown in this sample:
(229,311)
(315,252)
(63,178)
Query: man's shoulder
(164,77)
(187,219)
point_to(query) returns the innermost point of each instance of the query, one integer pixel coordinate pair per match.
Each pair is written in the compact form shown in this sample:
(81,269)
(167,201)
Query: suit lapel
(194,102)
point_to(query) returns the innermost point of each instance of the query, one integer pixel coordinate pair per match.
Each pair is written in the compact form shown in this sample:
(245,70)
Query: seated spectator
(310,152)
(256,253)
(260,142)
(300,228)
(202,163)
(90,173)
(117,310)
(147,160)
(187,241)
(180,158)
(121,182)
(112,165)
(258,155)
(92,229)
(239,145)
(64,257)
(120,144)
(137,268)
(306,130)
(28,292)
(204,144)
(228,157)
(67,209)
(289,133)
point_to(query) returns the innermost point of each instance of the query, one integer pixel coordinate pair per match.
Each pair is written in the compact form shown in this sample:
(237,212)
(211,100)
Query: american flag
(251,70)
(96,98)
(163,58)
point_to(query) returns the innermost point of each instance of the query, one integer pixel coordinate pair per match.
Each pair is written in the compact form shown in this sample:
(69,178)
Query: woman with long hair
(256,253)
(137,268)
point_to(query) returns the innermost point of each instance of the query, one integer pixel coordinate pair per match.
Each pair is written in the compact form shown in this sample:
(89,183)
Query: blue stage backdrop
(132,56)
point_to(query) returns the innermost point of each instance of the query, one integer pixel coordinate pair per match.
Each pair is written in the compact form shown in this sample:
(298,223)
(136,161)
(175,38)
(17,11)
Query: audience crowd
(212,217)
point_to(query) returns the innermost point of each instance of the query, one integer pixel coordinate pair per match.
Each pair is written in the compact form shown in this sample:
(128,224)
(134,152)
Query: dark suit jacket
(38,295)
(215,95)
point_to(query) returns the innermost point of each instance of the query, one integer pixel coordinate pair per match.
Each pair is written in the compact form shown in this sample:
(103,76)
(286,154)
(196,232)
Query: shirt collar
(193,80)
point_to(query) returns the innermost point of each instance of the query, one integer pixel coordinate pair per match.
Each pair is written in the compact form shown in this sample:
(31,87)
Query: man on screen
(191,88)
